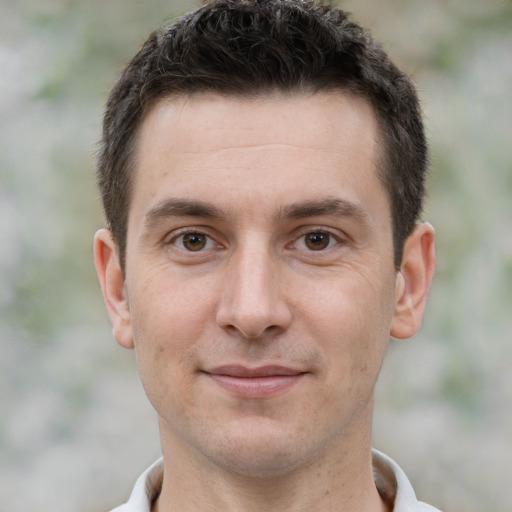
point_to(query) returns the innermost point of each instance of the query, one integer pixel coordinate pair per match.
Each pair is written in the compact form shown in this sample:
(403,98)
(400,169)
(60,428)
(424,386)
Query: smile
(259,382)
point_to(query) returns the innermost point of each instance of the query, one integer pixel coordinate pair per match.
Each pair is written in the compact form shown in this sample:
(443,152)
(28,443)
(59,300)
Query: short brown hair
(248,48)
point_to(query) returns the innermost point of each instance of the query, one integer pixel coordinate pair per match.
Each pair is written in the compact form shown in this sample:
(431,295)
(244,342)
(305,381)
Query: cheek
(351,320)
(168,318)
(168,306)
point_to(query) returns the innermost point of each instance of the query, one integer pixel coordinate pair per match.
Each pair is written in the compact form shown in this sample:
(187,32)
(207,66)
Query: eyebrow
(176,207)
(330,206)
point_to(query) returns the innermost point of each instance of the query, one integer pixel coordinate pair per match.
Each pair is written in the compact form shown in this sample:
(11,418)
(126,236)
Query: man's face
(260,288)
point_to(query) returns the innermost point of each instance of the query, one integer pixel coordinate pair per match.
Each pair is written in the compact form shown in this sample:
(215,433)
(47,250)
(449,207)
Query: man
(262,170)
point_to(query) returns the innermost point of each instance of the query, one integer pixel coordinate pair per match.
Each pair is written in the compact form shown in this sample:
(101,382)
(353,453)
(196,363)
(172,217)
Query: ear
(112,285)
(413,281)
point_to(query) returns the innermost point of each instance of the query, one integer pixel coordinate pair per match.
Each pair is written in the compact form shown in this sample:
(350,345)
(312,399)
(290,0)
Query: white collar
(391,482)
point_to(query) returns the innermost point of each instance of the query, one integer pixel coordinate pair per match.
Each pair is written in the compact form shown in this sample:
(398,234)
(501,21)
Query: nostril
(263,335)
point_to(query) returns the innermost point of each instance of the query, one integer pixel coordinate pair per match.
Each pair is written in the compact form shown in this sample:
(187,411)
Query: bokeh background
(75,427)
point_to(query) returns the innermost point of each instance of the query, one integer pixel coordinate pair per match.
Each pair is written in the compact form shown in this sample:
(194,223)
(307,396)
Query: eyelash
(320,235)
(183,233)
(333,240)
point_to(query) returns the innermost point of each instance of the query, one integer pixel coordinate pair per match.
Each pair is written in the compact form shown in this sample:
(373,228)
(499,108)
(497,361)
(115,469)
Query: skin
(260,237)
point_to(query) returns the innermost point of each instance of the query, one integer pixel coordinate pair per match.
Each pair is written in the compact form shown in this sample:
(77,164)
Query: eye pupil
(317,241)
(194,241)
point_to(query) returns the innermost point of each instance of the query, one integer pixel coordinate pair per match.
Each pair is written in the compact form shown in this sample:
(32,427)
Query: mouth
(260,382)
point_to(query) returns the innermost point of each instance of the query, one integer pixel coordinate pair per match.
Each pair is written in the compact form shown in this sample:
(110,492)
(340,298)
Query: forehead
(205,145)
(300,119)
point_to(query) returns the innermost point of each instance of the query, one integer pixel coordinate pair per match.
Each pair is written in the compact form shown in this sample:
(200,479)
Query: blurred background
(75,427)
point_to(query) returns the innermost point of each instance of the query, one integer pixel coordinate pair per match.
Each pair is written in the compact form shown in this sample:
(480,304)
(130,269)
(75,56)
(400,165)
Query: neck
(339,480)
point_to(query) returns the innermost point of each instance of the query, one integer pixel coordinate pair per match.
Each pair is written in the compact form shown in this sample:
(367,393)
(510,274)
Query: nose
(252,302)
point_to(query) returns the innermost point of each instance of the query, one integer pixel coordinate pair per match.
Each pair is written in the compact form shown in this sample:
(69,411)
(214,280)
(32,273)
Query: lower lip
(256,387)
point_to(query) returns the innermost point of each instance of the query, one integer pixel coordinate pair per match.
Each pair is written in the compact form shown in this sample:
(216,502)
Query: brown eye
(317,241)
(194,241)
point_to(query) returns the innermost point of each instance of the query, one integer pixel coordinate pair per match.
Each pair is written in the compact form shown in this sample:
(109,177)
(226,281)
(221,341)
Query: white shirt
(391,482)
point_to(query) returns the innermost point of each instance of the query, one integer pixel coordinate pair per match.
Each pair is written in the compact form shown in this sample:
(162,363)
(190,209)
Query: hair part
(250,48)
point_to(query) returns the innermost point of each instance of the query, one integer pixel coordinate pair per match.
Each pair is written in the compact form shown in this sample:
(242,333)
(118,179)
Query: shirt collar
(392,484)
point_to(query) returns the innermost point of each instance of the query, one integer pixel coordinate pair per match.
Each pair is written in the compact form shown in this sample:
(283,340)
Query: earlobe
(413,281)
(112,284)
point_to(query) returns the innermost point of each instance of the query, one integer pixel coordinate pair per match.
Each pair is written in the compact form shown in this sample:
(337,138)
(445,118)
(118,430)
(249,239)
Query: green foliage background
(75,428)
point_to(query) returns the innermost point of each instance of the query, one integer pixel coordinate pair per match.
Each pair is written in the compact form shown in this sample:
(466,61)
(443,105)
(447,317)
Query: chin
(260,453)
(259,465)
